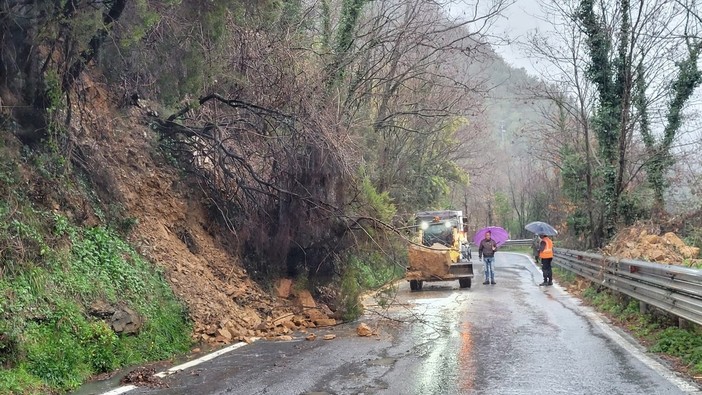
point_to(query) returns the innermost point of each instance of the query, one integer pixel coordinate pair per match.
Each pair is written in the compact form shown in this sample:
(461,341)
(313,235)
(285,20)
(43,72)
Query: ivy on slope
(51,272)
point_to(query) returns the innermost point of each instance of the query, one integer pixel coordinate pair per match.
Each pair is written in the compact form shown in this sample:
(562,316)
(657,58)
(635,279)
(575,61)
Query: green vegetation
(52,272)
(377,205)
(366,271)
(694,237)
(350,13)
(688,79)
(683,343)
(564,276)
(625,312)
(370,267)
(503,211)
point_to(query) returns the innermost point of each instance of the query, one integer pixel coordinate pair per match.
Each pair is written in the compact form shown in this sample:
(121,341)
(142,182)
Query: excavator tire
(464,282)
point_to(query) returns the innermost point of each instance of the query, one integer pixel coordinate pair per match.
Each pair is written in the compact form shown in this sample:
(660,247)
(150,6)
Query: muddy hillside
(173,229)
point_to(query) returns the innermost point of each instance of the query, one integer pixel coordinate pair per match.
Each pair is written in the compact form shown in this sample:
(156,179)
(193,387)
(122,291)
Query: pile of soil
(648,243)
(426,262)
(143,377)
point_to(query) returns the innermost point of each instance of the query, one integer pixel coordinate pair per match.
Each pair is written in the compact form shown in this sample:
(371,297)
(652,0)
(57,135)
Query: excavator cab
(438,253)
(438,231)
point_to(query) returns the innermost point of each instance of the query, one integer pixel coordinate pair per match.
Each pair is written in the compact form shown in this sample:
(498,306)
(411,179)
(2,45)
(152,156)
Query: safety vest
(548,250)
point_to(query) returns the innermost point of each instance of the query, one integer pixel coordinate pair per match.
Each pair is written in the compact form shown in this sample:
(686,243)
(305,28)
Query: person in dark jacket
(536,247)
(486,253)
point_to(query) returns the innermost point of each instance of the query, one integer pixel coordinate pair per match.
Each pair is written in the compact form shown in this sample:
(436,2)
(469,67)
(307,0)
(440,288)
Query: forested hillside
(176,172)
(208,150)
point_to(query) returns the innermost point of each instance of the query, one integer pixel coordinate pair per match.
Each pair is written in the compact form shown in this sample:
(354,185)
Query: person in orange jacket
(546,256)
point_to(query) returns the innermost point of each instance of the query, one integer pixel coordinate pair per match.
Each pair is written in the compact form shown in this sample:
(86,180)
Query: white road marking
(120,390)
(200,360)
(176,369)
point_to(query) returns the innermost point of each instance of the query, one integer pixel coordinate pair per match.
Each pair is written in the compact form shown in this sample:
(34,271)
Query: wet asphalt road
(509,338)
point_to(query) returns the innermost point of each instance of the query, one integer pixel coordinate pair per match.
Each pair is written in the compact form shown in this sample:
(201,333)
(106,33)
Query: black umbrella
(541,228)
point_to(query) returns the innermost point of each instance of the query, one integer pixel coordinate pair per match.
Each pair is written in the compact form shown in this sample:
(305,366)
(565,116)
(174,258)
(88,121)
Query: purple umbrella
(496,233)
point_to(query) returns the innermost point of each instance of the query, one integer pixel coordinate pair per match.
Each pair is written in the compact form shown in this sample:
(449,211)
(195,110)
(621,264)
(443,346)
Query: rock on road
(510,338)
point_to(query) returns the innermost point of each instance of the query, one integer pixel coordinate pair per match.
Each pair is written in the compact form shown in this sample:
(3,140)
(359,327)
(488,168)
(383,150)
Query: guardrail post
(643,307)
(684,324)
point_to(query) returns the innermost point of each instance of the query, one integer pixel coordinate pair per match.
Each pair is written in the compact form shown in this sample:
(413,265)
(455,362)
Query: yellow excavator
(440,251)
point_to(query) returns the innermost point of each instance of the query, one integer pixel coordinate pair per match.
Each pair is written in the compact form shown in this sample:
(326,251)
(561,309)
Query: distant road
(511,338)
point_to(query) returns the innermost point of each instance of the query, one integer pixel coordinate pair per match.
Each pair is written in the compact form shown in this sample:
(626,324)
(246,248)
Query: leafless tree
(642,36)
(414,76)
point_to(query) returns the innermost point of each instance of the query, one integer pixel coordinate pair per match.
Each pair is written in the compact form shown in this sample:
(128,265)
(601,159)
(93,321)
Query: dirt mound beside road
(645,242)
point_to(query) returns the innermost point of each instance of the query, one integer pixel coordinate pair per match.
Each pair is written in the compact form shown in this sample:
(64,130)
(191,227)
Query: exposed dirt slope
(173,229)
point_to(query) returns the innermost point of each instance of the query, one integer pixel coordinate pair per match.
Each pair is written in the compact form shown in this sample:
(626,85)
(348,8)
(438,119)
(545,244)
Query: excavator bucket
(428,262)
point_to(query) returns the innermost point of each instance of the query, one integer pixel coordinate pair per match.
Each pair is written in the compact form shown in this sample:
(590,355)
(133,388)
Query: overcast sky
(524,16)
(517,21)
(514,24)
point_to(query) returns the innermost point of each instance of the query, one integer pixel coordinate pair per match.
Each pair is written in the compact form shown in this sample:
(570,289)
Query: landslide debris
(174,230)
(648,243)
(143,377)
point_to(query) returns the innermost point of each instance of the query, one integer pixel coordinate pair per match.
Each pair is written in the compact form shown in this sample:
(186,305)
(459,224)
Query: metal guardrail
(675,289)
(520,242)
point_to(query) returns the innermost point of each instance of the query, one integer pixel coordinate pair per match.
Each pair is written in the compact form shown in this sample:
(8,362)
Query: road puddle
(382,362)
